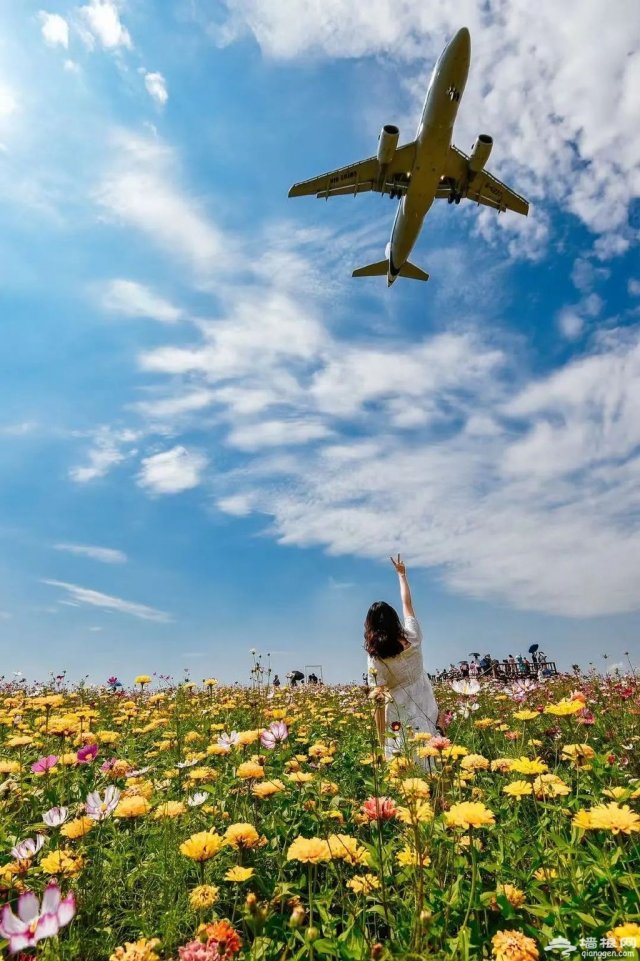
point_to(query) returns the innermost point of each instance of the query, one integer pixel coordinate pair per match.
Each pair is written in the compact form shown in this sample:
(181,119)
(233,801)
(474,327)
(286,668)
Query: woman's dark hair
(383,632)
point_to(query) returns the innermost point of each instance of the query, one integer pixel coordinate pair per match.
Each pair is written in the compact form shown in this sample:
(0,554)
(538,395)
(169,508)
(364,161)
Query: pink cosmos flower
(277,731)
(98,808)
(28,848)
(87,753)
(44,764)
(36,921)
(56,816)
(379,808)
(440,743)
(228,741)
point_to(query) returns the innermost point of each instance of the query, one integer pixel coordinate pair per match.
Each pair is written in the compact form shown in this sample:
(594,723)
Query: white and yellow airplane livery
(427,169)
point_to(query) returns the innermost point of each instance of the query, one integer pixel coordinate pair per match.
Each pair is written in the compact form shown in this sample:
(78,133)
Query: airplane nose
(462,41)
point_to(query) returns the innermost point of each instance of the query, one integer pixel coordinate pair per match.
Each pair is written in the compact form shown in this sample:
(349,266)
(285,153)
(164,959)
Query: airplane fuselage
(433,140)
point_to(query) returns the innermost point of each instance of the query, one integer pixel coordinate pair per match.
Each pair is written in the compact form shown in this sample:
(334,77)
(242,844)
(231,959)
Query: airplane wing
(362,176)
(484,188)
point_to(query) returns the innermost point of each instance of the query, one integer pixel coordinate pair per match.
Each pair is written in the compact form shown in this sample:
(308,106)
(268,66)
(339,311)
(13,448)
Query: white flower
(28,848)
(54,817)
(467,687)
(98,808)
(195,800)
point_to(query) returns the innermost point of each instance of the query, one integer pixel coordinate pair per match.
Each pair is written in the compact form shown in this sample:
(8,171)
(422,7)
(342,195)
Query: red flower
(379,808)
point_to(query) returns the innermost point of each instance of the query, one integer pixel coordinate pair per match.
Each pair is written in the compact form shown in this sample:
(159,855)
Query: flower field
(205,823)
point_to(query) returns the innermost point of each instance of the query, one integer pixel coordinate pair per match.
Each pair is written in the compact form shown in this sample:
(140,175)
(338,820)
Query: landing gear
(454,197)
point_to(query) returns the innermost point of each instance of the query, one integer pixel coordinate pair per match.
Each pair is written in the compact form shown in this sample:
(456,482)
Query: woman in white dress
(395,664)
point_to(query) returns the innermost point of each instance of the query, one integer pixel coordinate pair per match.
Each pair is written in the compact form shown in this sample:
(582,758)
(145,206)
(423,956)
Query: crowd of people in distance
(486,666)
(297,677)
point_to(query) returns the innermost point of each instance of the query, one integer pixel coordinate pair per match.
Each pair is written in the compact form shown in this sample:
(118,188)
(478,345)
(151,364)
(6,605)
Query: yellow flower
(415,787)
(502,764)
(20,740)
(203,897)
(201,774)
(517,789)
(201,846)
(469,814)
(364,883)
(525,715)
(309,850)
(169,809)
(545,874)
(249,770)
(142,950)
(564,708)
(300,777)
(132,807)
(618,793)
(526,765)
(550,785)
(625,935)
(267,788)
(239,874)
(210,682)
(142,679)
(619,819)
(345,848)
(9,767)
(418,812)
(514,895)
(474,762)
(77,828)
(579,754)
(243,836)
(484,722)
(454,751)
(408,857)
(513,946)
(62,862)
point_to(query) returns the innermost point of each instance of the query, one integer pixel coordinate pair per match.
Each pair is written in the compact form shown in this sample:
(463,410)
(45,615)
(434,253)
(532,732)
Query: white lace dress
(413,705)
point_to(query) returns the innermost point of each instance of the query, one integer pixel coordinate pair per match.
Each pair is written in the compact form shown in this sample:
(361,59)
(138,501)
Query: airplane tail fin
(372,270)
(381,269)
(413,272)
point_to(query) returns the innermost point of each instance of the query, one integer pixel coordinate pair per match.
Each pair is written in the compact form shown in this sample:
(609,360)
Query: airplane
(427,169)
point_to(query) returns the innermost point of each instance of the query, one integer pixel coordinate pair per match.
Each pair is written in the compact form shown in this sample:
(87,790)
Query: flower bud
(313,934)
(297,917)
(377,950)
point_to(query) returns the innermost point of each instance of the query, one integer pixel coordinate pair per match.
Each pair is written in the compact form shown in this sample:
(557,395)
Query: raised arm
(405,593)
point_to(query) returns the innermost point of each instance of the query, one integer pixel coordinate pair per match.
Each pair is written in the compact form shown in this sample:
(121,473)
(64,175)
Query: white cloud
(5,616)
(55,29)
(633,287)
(140,190)
(102,20)
(156,87)
(110,448)
(136,300)
(570,323)
(19,429)
(84,595)
(172,471)
(105,554)
(274,433)
(71,66)
(561,107)
(171,407)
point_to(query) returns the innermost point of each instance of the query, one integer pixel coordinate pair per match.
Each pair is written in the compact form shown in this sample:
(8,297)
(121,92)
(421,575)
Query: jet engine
(480,153)
(387,143)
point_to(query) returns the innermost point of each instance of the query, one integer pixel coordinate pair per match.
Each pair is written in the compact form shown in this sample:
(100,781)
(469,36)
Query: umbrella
(474,653)
(533,648)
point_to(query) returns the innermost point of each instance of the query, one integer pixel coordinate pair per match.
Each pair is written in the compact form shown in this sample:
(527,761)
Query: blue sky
(212,437)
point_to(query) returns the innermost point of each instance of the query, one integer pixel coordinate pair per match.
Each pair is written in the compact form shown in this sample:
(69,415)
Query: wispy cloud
(142,190)
(84,595)
(111,447)
(156,87)
(106,555)
(132,299)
